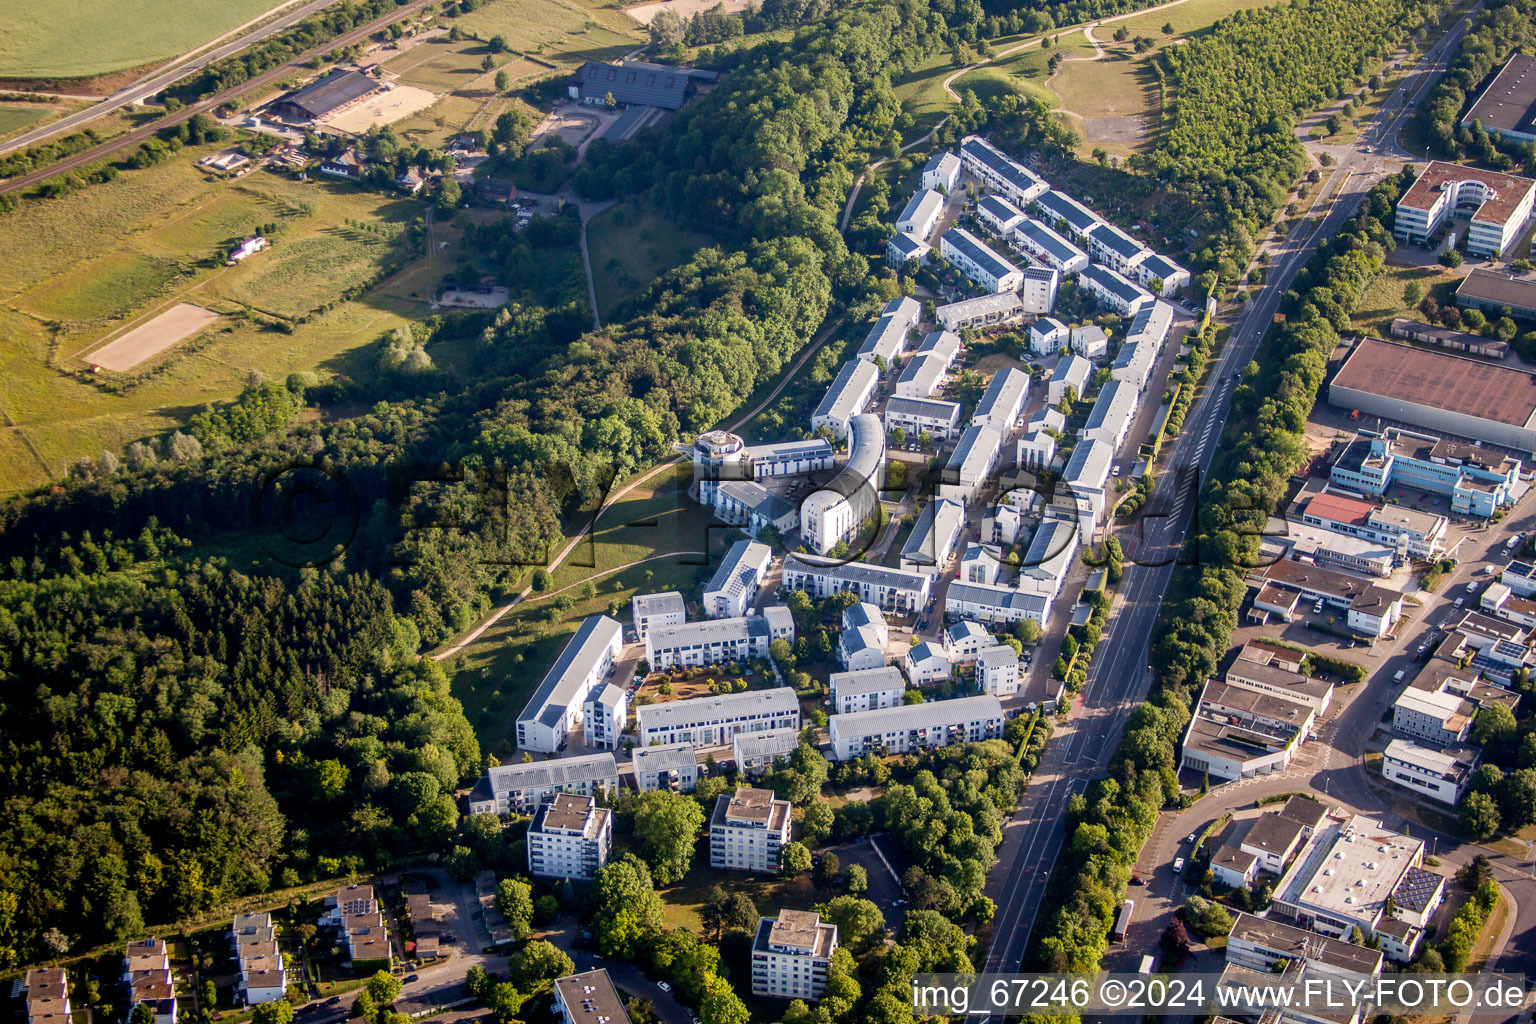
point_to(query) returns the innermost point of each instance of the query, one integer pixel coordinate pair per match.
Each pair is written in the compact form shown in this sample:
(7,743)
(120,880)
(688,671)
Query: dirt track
(150,339)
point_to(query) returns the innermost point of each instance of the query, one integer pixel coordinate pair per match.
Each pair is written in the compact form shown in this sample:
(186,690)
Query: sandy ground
(175,324)
(488,299)
(1114,129)
(643,13)
(384,108)
(572,127)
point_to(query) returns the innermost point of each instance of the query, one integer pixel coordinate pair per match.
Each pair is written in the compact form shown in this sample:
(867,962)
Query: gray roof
(1509,102)
(327,93)
(707,631)
(1154,322)
(859,572)
(569,672)
(908,244)
(565,771)
(933,534)
(944,344)
(1006,389)
(1044,237)
(766,743)
(999,302)
(1116,241)
(844,397)
(905,717)
(1112,282)
(867,680)
(886,339)
(997,657)
(1063,207)
(736,569)
(904,306)
(668,602)
(978,252)
(923,205)
(976,448)
(996,596)
(759,499)
(1116,403)
(665,757)
(678,713)
(1089,462)
(998,208)
(608,695)
(634,84)
(957,631)
(1161,266)
(1073,370)
(928,408)
(923,371)
(1000,163)
(942,160)
(1051,549)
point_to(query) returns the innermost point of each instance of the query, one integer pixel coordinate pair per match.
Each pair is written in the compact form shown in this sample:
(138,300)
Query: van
(1178,865)
(1399,677)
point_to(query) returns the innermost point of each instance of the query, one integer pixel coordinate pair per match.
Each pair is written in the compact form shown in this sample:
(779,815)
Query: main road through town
(1120,679)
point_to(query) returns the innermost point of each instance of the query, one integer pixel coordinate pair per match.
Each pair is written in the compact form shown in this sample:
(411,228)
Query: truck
(1123,921)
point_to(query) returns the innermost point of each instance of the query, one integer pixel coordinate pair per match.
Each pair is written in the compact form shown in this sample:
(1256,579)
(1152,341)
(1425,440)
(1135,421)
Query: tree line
(1502,29)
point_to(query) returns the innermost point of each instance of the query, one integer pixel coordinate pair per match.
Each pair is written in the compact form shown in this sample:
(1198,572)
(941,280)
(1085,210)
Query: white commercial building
(1443,775)
(1042,242)
(605,714)
(519,788)
(718,641)
(732,589)
(1114,291)
(670,766)
(1001,173)
(1237,732)
(865,689)
(834,512)
(1047,335)
(569,837)
(714,721)
(555,707)
(979,262)
(1441,718)
(940,419)
(748,831)
(1003,400)
(921,213)
(1494,205)
(652,610)
(997,670)
(933,537)
(790,956)
(910,727)
(846,397)
(971,464)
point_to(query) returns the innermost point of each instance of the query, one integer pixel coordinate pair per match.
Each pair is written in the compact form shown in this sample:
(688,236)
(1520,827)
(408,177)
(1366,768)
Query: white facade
(1114,291)
(926,663)
(569,837)
(555,707)
(933,537)
(941,171)
(732,589)
(846,397)
(1442,775)
(997,670)
(891,590)
(652,610)
(748,831)
(866,689)
(606,713)
(910,727)
(1003,400)
(998,214)
(1087,474)
(1113,413)
(979,261)
(940,419)
(921,376)
(921,213)
(1090,342)
(790,956)
(718,641)
(670,766)
(1036,450)
(1072,372)
(714,721)
(834,512)
(1047,335)
(1042,242)
(1000,172)
(1038,292)
(971,464)
(519,788)
(987,311)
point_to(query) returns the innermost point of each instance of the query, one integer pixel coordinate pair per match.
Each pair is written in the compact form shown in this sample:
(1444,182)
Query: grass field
(1384,299)
(22,115)
(102,289)
(680,904)
(560,31)
(631,247)
(92,37)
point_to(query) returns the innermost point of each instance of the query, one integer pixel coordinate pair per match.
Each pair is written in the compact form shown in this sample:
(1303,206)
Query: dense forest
(1264,444)
(1503,28)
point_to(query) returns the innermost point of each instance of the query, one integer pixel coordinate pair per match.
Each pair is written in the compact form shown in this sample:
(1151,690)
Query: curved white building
(835,511)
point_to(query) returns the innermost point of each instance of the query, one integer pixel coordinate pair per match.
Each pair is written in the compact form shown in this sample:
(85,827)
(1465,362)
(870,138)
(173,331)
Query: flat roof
(590,998)
(766,743)
(1451,764)
(1298,944)
(567,812)
(997,302)
(1440,380)
(802,931)
(1349,869)
(1507,104)
(1504,190)
(866,680)
(669,602)
(859,572)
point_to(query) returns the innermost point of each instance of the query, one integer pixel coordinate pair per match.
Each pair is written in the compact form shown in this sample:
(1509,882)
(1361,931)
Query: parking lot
(883,861)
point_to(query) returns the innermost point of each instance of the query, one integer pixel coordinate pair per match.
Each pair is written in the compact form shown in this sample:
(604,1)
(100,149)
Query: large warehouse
(1444,393)
(1508,106)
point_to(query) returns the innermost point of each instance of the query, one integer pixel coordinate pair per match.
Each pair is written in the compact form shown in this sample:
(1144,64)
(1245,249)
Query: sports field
(81,38)
(150,339)
(381,109)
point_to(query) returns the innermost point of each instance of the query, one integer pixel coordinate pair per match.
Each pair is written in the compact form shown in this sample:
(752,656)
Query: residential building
(909,727)
(891,590)
(718,641)
(1440,392)
(1494,205)
(915,416)
(1234,868)
(965,640)
(652,610)
(1058,208)
(926,662)
(1113,413)
(1000,172)
(147,977)
(1072,372)
(861,644)
(249,247)
(1115,249)
(1090,341)
(1048,559)
(1003,400)
(45,993)
(904,248)
(887,339)
(1441,718)
(979,262)
(921,213)
(996,604)
(555,707)
(846,397)
(865,689)
(346,165)
(998,214)
(1047,335)
(732,589)
(589,998)
(1159,268)
(569,837)
(1479,481)
(721,456)
(670,766)
(605,713)
(933,538)
(790,956)
(997,670)
(1048,418)
(519,788)
(1042,243)
(748,830)
(261,976)
(1113,291)
(834,512)
(944,343)
(971,464)
(713,721)
(941,171)
(921,376)
(756,752)
(992,310)
(1036,450)
(754,508)
(1441,774)
(1087,476)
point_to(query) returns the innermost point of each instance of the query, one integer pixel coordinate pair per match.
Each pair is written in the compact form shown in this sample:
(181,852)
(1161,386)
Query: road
(189,63)
(1120,680)
(137,135)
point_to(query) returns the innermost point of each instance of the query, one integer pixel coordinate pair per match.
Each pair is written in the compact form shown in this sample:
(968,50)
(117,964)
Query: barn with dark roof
(633,84)
(325,95)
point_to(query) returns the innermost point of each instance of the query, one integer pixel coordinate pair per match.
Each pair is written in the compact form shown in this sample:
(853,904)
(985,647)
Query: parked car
(1471,586)
(410,978)
(1189,838)
(664,986)
(1178,865)
(1138,880)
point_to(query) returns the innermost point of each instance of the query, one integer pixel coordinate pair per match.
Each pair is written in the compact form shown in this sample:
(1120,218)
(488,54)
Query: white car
(1471,586)
(664,986)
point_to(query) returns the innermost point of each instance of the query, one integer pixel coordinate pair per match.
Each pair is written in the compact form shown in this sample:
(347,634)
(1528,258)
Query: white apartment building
(998,214)
(890,590)
(940,419)
(718,641)
(927,662)
(1158,267)
(834,512)
(979,262)
(986,311)
(846,397)
(1041,242)
(1115,249)
(790,956)
(670,766)
(933,537)
(1090,341)
(942,343)
(1048,559)
(996,604)
(865,689)
(921,213)
(755,752)
(997,671)
(909,727)
(652,610)
(1047,335)
(921,376)
(589,998)
(1087,476)
(971,464)
(555,707)
(606,713)
(1000,172)
(1072,372)
(1003,400)
(1443,775)
(570,837)
(1113,413)
(1039,289)
(1036,450)
(732,589)
(1114,291)
(519,788)
(713,721)
(1440,718)
(941,171)
(861,644)
(1057,208)
(887,340)
(748,830)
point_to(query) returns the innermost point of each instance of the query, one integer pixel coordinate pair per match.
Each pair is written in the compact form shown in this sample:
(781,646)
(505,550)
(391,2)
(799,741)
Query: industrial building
(634,83)
(1507,108)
